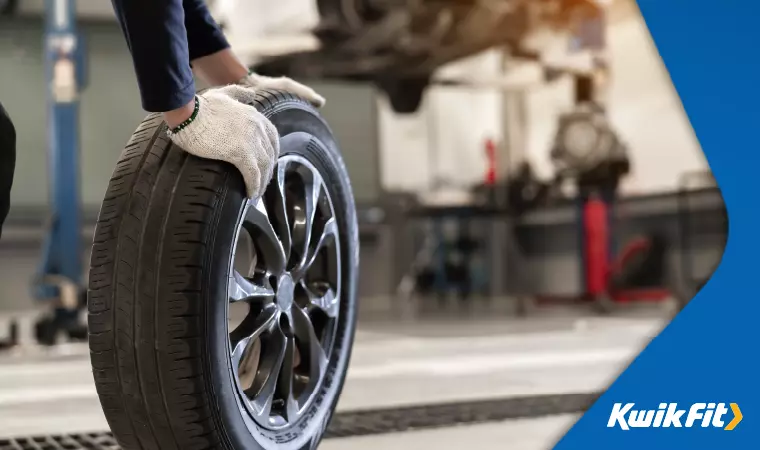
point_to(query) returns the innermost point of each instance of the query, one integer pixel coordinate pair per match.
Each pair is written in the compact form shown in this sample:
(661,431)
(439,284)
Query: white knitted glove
(283,84)
(225,128)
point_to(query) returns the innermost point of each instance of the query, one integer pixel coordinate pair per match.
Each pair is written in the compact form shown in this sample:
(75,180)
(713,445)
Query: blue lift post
(59,277)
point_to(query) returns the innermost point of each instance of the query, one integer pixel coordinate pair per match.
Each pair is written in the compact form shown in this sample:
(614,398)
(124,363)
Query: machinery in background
(588,150)
(399,44)
(638,271)
(521,192)
(693,230)
(451,259)
(635,273)
(59,276)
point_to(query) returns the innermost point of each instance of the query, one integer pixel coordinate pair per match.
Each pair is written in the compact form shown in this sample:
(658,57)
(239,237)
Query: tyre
(217,322)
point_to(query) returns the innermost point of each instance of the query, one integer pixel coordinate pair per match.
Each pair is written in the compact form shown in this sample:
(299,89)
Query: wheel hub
(286,288)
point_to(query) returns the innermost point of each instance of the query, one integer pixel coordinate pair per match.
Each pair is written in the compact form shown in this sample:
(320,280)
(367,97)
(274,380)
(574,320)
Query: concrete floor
(50,391)
(394,364)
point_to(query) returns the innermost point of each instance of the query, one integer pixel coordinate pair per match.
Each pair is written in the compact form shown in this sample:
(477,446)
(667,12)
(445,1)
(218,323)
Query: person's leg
(7,163)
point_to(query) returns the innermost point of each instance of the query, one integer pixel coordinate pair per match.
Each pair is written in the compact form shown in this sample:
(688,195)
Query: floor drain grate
(99,441)
(394,420)
(369,422)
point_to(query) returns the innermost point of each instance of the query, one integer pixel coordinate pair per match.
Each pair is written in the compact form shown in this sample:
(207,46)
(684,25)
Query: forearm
(220,68)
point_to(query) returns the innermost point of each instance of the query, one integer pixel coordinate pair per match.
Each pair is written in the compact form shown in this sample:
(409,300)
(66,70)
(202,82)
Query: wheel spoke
(238,349)
(307,210)
(249,330)
(270,365)
(243,289)
(329,235)
(327,301)
(285,382)
(310,348)
(258,225)
(279,208)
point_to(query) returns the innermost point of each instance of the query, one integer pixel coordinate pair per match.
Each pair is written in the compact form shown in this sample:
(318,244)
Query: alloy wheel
(284,294)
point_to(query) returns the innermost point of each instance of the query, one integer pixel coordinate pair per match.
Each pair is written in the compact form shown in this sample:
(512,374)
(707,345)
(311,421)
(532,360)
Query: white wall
(649,113)
(255,28)
(446,138)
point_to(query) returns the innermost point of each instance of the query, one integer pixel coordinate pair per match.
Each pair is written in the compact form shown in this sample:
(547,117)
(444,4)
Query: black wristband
(190,119)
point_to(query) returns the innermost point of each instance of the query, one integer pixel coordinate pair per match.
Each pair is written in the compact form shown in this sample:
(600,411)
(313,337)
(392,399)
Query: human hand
(225,127)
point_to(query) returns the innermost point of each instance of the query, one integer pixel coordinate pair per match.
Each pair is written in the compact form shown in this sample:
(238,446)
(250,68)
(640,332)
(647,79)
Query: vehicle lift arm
(59,276)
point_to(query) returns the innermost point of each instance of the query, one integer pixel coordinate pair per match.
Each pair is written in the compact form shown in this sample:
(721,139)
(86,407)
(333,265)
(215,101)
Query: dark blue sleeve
(163,36)
(203,34)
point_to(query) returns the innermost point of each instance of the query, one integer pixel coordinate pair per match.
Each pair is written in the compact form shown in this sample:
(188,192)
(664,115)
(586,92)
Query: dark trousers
(163,36)
(7,163)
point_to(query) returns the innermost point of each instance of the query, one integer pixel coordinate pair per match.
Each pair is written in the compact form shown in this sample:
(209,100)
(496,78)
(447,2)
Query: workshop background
(478,286)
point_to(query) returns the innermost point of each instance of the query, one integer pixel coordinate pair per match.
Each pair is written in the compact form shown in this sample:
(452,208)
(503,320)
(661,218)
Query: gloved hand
(225,128)
(284,84)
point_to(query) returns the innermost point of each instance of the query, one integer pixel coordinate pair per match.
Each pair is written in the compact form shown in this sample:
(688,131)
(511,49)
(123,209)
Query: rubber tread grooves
(153,236)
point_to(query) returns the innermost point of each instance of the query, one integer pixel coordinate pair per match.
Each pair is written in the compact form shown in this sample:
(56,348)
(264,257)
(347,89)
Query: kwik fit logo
(669,415)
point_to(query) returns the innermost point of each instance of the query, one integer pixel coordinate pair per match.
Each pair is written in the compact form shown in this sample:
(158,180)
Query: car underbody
(399,44)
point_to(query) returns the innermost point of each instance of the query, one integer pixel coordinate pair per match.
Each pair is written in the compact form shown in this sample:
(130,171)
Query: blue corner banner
(697,384)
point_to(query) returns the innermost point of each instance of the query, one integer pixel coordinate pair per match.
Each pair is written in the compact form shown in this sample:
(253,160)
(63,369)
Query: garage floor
(50,391)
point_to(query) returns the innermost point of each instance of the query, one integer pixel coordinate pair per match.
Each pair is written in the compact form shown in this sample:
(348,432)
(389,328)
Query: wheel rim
(286,269)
